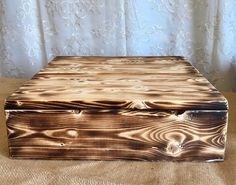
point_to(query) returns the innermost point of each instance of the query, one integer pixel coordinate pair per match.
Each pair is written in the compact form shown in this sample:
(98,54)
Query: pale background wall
(32,32)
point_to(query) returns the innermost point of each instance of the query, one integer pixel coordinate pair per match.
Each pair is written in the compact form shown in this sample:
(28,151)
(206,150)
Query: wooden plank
(117,134)
(120,83)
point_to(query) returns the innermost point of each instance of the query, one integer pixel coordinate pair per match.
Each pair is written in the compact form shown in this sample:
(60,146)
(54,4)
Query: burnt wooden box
(107,108)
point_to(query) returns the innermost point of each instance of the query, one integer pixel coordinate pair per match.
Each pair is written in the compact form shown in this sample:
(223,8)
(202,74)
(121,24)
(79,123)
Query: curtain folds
(32,32)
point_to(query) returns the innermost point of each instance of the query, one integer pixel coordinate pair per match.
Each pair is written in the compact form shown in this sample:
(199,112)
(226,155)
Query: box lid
(118,83)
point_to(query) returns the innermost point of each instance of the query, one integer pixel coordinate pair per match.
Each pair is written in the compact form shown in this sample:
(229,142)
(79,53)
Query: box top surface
(118,83)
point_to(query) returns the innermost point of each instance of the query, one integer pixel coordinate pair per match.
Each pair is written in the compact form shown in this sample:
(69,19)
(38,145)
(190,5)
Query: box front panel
(108,135)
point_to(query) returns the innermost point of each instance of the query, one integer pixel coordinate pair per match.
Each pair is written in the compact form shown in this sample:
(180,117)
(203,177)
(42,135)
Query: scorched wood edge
(106,108)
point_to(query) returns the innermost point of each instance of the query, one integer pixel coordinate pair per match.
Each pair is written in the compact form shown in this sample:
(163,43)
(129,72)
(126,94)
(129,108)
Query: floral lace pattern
(32,32)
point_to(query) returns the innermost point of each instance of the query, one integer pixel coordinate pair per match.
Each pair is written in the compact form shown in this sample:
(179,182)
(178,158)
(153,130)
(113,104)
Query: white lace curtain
(32,32)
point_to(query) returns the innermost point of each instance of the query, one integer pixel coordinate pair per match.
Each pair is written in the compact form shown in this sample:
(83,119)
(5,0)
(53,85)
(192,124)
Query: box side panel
(110,135)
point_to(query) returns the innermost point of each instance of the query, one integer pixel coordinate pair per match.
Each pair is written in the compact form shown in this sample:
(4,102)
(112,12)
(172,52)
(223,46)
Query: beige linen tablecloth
(114,172)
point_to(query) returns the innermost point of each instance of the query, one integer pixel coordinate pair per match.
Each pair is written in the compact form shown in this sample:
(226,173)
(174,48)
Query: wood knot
(18,103)
(72,133)
(174,148)
(76,111)
(62,144)
(138,104)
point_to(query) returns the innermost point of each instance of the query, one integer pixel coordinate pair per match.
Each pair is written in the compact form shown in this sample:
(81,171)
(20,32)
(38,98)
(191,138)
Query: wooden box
(107,108)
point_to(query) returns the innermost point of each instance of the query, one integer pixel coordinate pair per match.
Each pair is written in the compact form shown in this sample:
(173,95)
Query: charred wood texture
(106,108)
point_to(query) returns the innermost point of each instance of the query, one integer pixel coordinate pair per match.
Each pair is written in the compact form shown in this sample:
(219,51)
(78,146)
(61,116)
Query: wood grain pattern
(118,82)
(108,135)
(106,108)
